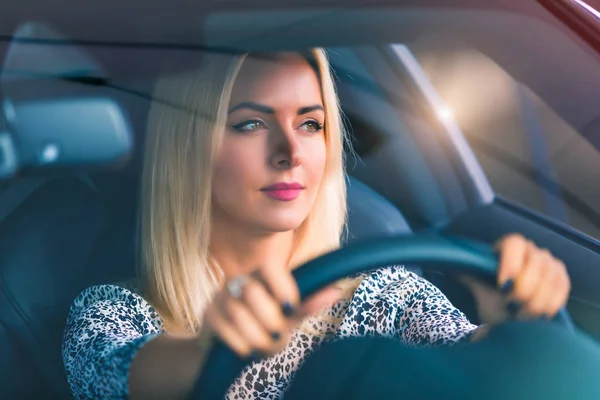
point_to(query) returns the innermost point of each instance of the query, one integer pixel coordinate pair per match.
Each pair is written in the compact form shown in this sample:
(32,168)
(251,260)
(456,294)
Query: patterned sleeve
(393,302)
(428,317)
(106,326)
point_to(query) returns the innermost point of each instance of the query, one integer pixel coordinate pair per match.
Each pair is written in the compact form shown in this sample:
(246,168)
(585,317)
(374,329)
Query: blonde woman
(244,180)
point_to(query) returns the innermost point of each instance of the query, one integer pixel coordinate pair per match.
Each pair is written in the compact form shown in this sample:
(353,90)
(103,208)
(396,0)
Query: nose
(286,152)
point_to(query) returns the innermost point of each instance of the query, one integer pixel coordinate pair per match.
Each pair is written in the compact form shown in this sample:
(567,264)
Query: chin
(280,226)
(279,223)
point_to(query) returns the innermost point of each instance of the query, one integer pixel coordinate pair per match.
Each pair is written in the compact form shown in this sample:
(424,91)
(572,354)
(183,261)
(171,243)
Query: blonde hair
(186,123)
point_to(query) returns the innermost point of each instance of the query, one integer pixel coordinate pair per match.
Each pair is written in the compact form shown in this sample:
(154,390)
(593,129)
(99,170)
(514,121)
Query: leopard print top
(107,324)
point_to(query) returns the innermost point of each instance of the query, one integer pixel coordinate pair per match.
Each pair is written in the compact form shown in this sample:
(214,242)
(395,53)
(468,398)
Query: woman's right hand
(259,321)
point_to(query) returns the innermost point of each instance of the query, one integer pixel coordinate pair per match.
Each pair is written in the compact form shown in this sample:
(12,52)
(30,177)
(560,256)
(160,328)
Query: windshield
(530,152)
(168,157)
(525,103)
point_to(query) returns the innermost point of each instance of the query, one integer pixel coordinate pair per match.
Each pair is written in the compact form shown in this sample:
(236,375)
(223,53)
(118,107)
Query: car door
(540,173)
(516,163)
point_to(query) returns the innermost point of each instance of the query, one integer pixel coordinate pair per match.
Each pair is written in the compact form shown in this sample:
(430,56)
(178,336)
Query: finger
(513,252)
(222,328)
(320,300)
(244,321)
(538,305)
(282,285)
(265,308)
(561,292)
(526,283)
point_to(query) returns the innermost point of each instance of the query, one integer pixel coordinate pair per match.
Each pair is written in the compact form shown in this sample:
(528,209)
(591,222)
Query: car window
(530,155)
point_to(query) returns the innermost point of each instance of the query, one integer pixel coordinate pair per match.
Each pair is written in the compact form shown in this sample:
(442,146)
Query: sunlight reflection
(587,7)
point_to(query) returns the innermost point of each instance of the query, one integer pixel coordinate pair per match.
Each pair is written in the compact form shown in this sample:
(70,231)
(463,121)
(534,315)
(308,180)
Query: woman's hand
(255,315)
(532,284)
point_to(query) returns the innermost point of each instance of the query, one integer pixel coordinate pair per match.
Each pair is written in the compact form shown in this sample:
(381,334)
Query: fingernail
(275,336)
(508,286)
(513,307)
(288,309)
(544,317)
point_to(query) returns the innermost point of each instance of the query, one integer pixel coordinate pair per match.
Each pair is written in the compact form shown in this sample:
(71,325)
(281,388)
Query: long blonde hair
(186,123)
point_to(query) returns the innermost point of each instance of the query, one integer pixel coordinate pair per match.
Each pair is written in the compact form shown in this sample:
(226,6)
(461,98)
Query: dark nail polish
(288,309)
(508,286)
(513,307)
(275,336)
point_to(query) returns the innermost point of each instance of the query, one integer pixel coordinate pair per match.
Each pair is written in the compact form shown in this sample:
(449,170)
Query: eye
(313,126)
(249,126)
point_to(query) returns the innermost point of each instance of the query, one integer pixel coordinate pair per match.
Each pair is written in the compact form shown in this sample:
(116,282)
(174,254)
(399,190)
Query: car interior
(71,232)
(60,234)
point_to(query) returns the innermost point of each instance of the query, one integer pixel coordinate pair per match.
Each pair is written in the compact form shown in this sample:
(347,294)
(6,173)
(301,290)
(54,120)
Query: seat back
(371,215)
(65,237)
(44,247)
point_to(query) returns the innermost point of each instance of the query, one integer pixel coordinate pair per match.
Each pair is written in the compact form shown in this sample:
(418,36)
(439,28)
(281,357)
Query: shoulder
(392,285)
(106,326)
(399,287)
(116,303)
(380,279)
(378,301)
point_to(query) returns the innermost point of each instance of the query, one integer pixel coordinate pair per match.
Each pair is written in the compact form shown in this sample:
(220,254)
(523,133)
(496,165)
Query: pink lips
(283,191)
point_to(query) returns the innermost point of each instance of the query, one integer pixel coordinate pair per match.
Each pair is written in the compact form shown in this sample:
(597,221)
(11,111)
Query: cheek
(316,160)
(234,170)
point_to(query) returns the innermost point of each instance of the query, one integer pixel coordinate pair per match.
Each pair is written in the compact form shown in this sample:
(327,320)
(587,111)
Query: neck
(240,251)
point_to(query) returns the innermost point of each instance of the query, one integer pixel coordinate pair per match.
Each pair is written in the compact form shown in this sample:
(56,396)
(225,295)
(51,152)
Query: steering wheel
(442,253)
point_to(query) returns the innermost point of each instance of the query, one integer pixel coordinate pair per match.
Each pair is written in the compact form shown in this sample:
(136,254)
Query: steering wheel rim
(442,253)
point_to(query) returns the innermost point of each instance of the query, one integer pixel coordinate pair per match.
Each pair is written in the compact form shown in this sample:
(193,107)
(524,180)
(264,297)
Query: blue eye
(249,126)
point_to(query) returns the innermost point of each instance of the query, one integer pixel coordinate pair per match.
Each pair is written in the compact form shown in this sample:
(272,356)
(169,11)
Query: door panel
(580,253)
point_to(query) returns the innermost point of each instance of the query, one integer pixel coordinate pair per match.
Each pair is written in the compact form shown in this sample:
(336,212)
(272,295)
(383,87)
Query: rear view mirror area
(71,133)
(54,120)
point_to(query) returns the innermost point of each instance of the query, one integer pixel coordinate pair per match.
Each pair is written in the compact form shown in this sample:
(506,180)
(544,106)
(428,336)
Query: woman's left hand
(532,283)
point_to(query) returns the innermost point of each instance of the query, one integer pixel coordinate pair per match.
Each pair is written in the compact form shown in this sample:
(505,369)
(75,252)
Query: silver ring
(235,287)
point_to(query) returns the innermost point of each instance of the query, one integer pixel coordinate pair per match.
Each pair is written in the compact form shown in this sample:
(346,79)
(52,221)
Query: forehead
(277,80)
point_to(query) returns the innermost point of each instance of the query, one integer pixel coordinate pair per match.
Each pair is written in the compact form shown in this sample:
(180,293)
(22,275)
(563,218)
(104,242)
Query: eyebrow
(270,110)
(253,106)
(306,110)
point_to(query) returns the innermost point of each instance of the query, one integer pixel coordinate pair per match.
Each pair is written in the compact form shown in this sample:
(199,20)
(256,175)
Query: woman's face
(272,158)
